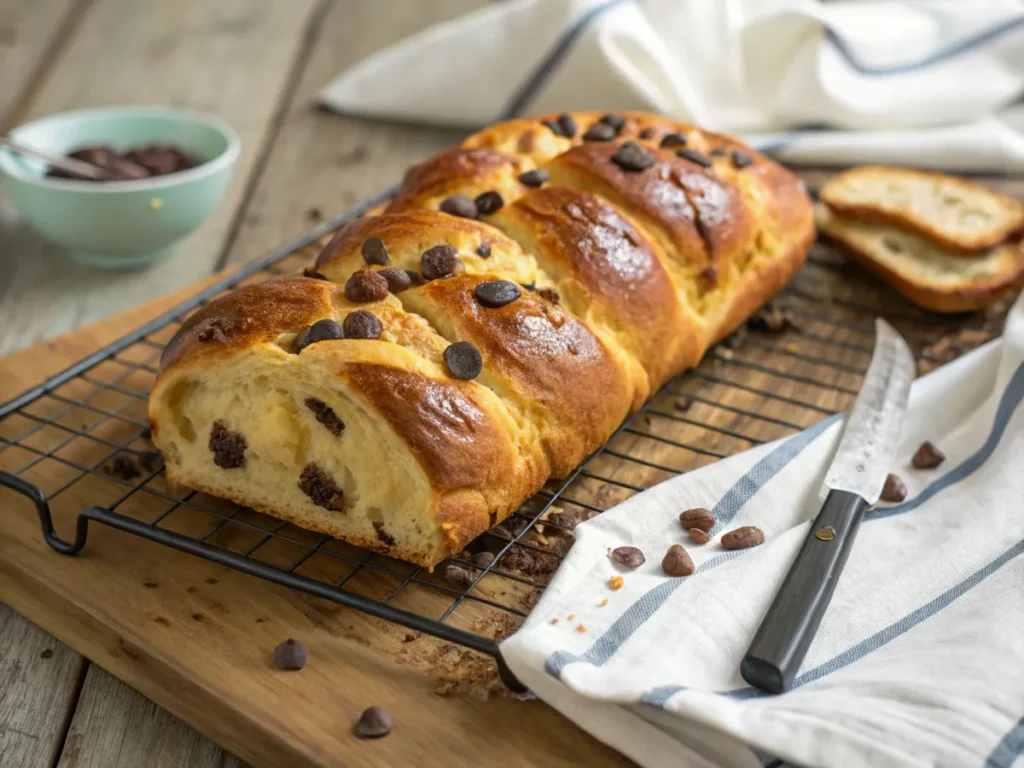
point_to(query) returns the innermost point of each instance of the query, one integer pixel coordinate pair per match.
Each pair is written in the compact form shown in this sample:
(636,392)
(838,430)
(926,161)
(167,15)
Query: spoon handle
(74,167)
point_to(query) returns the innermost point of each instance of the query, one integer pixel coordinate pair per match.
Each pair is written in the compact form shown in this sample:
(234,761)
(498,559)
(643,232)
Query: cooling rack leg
(511,681)
(33,494)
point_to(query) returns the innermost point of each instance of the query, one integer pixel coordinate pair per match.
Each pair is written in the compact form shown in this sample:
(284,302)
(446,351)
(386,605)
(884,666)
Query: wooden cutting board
(196,638)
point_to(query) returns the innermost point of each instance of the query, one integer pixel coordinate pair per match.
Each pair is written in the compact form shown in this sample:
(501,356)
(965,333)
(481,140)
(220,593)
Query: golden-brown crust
(458,170)
(543,356)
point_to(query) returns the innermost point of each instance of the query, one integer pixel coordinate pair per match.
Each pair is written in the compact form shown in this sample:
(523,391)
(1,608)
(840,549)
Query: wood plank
(233,58)
(39,677)
(322,162)
(30,35)
(115,727)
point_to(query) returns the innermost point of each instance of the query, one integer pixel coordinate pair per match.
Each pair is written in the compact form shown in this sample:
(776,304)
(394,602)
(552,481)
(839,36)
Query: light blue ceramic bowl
(120,224)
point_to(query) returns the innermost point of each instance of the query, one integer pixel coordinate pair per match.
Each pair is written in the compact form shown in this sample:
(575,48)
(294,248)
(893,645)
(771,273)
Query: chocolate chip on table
(647,133)
(695,157)
(677,561)
(227,447)
(550,294)
(458,575)
(398,279)
(717,152)
(321,489)
(698,517)
(683,403)
(497,293)
(459,205)
(483,250)
(325,415)
(699,536)
(382,536)
(439,261)
(743,538)
(673,140)
(362,325)
(617,122)
(894,489)
(600,132)
(533,178)
(463,360)
(568,125)
(488,203)
(553,126)
(741,159)
(632,157)
(772,318)
(365,286)
(374,252)
(927,456)
(291,655)
(123,468)
(628,557)
(374,723)
(482,559)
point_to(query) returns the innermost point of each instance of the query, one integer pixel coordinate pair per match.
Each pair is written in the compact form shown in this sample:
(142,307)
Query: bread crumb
(580,628)
(570,617)
(615,582)
(554,621)
(604,602)
(791,348)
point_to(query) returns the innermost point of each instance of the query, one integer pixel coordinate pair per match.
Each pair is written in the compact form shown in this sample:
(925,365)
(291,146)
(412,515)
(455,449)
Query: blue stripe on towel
(731,503)
(1009,748)
(547,66)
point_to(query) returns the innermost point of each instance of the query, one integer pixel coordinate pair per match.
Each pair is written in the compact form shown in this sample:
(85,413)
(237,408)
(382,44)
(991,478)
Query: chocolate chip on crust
(632,157)
(488,203)
(398,279)
(534,178)
(600,132)
(497,293)
(383,536)
(741,159)
(695,157)
(483,250)
(228,447)
(362,325)
(463,360)
(550,294)
(321,489)
(568,125)
(325,415)
(673,140)
(439,261)
(615,121)
(553,126)
(366,286)
(374,252)
(459,205)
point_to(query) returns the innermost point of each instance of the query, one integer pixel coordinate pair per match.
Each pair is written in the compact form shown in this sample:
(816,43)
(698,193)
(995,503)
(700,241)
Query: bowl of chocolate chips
(162,172)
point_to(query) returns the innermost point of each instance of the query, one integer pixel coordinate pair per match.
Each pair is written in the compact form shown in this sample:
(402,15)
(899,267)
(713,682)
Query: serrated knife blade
(867,449)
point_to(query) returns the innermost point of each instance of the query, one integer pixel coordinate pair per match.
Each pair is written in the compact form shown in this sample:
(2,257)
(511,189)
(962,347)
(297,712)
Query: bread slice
(962,216)
(926,273)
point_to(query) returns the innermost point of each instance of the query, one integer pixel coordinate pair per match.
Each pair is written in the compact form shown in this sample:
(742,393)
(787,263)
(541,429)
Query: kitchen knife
(865,454)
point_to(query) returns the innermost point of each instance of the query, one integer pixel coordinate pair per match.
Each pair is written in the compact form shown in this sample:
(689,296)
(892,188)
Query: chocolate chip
(628,557)
(362,325)
(482,559)
(497,293)
(383,536)
(699,536)
(743,538)
(600,132)
(321,489)
(123,467)
(632,157)
(568,125)
(741,159)
(301,340)
(615,121)
(325,415)
(533,178)
(550,294)
(698,517)
(291,655)
(459,205)
(398,279)
(463,360)
(717,152)
(684,403)
(673,140)
(439,261)
(458,575)
(374,252)
(483,250)
(488,203)
(647,133)
(677,561)
(146,434)
(531,287)
(228,447)
(312,273)
(553,126)
(365,286)
(374,723)
(928,456)
(325,330)
(772,318)
(709,275)
(47,653)
(694,157)
(314,214)
(894,489)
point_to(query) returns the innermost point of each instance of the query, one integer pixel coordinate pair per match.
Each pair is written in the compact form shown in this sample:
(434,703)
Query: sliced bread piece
(962,216)
(923,271)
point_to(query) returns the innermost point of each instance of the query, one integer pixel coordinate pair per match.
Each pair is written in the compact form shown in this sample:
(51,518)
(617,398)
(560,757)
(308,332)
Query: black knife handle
(792,620)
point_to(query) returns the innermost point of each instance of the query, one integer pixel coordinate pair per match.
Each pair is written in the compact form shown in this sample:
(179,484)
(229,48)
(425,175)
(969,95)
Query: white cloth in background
(920,82)
(919,660)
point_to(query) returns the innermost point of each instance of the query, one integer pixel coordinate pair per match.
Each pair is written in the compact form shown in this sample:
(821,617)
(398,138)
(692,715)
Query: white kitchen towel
(921,82)
(919,660)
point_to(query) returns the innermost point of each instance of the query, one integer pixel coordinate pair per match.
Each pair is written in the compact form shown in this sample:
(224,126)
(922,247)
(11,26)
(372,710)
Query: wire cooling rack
(77,446)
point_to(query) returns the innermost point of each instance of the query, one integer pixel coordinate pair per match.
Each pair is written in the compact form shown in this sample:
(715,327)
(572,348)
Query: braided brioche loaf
(517,299)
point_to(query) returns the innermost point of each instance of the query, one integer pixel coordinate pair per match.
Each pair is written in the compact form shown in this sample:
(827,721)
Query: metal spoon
(76,168)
